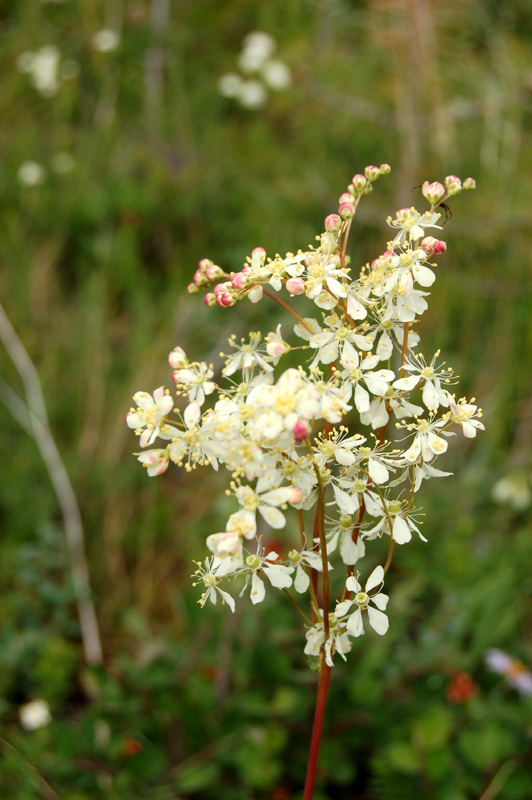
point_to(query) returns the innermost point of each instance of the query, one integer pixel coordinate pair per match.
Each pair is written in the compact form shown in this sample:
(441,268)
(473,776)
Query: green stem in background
(298,607)
(319,714)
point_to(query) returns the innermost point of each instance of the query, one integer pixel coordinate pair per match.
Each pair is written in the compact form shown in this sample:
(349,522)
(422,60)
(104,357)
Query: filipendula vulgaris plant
(312,442)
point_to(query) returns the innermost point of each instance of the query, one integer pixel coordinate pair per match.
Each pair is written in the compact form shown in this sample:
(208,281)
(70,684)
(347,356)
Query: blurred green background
(140,168)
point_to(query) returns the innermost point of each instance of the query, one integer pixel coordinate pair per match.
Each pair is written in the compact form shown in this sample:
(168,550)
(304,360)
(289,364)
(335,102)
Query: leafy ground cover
(144,169)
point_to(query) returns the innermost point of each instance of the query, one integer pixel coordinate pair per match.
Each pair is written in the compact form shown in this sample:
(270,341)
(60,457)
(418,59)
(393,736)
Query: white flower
(433,394)
(276,75)
(338,641)
(248,355)
(43,68)
(35,714)
(252,94)
(514,671)
(277,574)
(426,442)
(147,420)
(196,380)
(464,414)
(63,163)
(377,620)
(156,461)
(210,573)
(342,531)
(105,41)
(31,174)
(229,85)
(356,371)
(301,559)
(513,489)
(258,47)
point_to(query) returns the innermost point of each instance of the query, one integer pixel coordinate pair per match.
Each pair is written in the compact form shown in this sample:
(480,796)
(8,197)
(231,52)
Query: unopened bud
(372,173)
(469,183)
(333,223)
(210,299)
(214,273)
(295,285)
(433,246)
(368,188)
(296,495)
(347,210)
(451,182)
(239,280)
(177,358)
(385,169)
(225,299)
(359,182)
(433,192)
(346,197)
(204,263)
(192,288)
(258,254)
(301,430)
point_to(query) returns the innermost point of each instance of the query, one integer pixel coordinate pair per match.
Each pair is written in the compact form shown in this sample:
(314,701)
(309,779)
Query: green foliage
(192,703)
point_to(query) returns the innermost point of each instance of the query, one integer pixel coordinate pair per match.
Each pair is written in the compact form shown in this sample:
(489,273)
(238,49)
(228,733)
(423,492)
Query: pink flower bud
(372,173)
(192,288)
(433,246)
(333,223)
(385,169)
(210,300)
(177,358)
(346,197)
(453,185)
(204,263)
(296,495)
(295,285)
(469,183)
(402,214)
(301,430)
(347,210)
(213,272)
(239,280)
(359,182)
(225,299)
(258,253)
(433,192)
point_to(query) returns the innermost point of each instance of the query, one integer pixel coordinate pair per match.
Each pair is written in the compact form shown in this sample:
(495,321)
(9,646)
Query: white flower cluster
(312,440)
(261,71)
(46,69)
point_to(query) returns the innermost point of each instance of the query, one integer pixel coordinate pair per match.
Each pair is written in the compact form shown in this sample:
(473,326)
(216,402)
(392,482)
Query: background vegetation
(161,170)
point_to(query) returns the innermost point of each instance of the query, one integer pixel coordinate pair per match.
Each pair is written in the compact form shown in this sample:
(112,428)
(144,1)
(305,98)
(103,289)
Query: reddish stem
(321,702)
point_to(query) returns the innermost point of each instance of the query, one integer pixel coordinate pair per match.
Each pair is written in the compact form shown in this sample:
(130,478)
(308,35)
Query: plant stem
(287,307)
(321,702)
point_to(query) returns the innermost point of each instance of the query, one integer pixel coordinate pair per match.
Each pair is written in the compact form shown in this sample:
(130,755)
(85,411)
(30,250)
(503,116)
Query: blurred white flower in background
(513,670)
(106,40)
(255,59)
(277,75)
(30,173)
(258,47)
(35,714)
(43,69)
(63,163)
(252,94)
(513,489)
